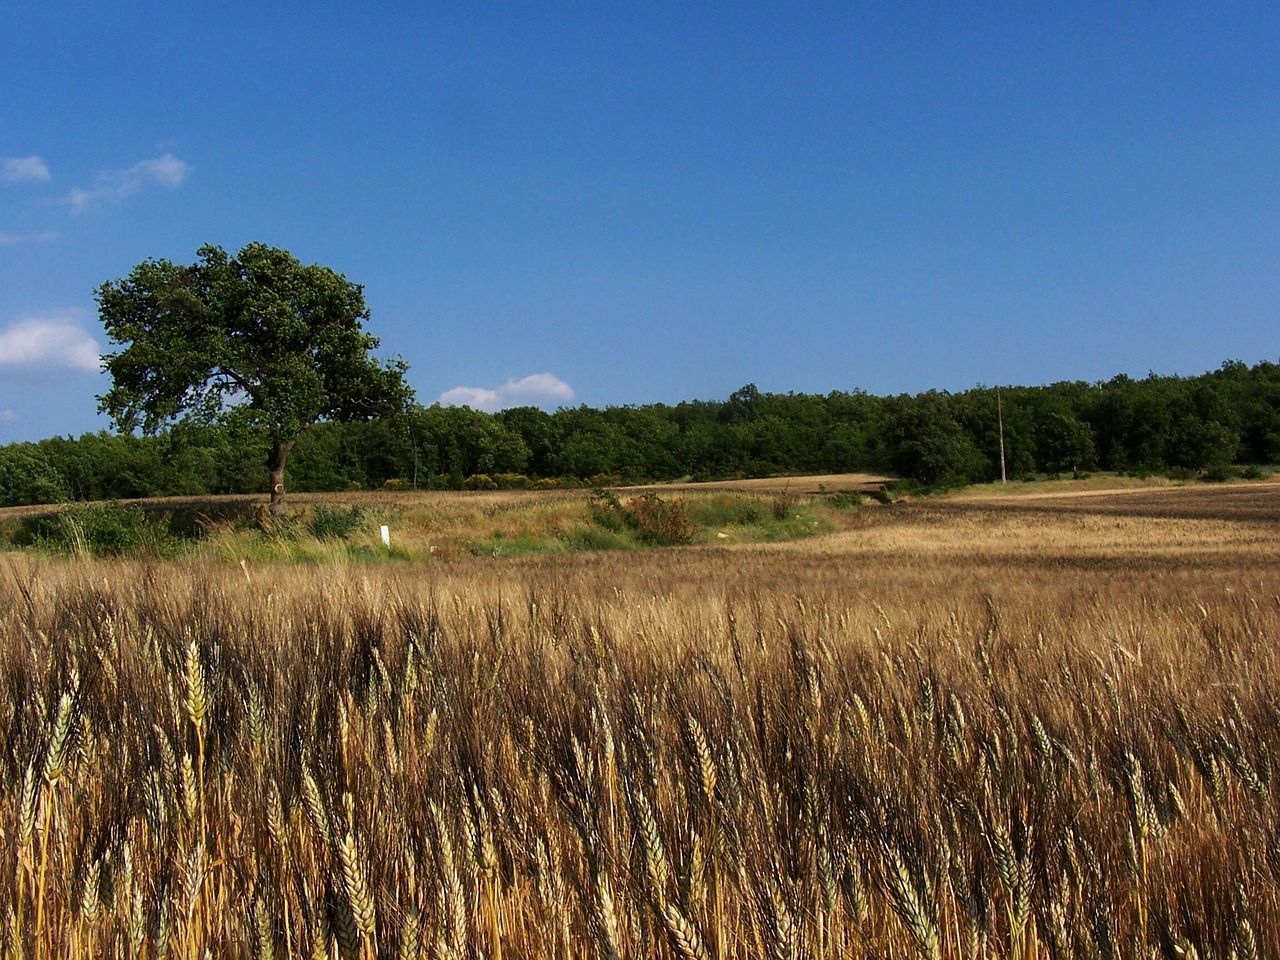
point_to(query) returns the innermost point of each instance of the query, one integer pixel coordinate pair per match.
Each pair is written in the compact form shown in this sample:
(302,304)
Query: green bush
(845,500)
(511,481)
(606,510)
(648,517)
(479,481)
(106,530)
(334,523)
(1220,473)
(784,505)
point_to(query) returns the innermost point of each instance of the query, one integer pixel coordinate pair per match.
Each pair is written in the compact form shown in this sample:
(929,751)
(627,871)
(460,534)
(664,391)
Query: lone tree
(257,336)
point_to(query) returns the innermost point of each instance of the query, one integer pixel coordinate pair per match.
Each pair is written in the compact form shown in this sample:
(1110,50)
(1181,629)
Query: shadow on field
(1243,503)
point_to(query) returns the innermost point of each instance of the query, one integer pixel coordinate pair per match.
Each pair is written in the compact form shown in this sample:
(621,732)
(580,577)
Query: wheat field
(985,726)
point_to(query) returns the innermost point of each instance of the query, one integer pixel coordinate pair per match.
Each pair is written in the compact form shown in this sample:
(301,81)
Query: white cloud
(118,185)
(24,170)
(9,239)
(536,390)
(168,170)
(8,416)
(54,341)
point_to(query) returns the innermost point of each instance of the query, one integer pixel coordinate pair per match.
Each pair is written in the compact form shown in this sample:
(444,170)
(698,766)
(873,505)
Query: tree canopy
(257,338)
(1222,423)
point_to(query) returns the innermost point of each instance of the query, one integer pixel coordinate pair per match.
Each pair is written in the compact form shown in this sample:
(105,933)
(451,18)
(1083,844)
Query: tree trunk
(275,467)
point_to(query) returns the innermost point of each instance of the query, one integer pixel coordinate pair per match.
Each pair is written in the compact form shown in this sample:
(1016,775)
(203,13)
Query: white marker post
(386,536)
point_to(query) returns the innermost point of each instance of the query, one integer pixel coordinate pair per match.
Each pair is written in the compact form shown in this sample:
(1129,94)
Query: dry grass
(965,729)
(805,486)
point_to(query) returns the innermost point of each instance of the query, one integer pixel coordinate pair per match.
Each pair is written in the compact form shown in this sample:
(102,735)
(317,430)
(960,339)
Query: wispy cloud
(24,170)
(539,389)
(118,185)
(8,416)
(9,239)
(55,341)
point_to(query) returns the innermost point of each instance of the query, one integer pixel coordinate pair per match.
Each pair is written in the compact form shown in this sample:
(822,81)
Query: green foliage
(511,481)
(607,511)
(647,517)
(1229,417)
(498,544)
(925,442)
(660,522)
(279,343)
(1202,444)
(1063,443)
(257,339)
(106,530)
(727,510)
(845,500)
(27,476)
(334,523)
(784,507)
(593,538)
(1220,473)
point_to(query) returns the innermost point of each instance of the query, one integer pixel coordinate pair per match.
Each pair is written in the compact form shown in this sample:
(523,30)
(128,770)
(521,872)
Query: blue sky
(605,203)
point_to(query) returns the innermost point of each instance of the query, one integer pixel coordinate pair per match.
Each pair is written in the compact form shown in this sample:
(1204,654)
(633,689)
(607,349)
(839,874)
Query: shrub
(1220,473)
(648,517)
(784,504)
(511,481)
(108,530)
(479,481)
(660,522)
(607,511)
(334,523)
(845,500)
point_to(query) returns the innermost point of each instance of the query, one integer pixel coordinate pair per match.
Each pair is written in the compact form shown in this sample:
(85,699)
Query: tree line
(1212,424)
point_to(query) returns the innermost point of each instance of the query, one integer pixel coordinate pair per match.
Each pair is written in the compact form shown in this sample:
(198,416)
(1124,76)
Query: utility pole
(1000,420)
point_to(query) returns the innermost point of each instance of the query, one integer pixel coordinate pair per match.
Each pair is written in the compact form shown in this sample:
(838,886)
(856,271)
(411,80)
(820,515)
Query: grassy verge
(431,528)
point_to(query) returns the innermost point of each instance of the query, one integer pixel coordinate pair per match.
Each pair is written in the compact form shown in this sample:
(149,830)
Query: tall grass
(703,754)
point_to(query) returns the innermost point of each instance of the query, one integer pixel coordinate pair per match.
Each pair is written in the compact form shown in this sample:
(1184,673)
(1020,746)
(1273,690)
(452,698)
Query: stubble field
(993,725)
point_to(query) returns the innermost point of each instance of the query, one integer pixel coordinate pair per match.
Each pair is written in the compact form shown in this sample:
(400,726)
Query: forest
(1214,426)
